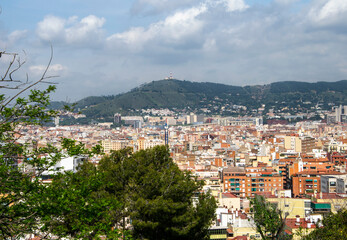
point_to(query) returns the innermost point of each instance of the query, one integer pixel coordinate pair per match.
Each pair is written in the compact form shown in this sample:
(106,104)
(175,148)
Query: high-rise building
(341,113)
(117,118)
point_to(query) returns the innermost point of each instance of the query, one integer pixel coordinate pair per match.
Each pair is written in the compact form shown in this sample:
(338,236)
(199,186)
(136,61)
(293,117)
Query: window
(286,205)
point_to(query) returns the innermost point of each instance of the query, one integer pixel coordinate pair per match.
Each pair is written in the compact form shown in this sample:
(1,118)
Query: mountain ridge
(183,94)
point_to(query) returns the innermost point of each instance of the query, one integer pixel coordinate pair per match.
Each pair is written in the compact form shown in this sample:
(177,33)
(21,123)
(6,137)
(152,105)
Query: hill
(186,95)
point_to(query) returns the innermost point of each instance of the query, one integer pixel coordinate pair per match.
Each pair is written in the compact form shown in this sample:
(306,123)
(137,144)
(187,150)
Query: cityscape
(173,120)
(301,167)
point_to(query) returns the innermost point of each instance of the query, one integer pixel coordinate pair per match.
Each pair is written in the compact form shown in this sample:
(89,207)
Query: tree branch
(42,78)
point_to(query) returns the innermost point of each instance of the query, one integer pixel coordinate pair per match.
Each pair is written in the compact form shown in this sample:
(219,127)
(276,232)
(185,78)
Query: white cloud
(174,28)
(210,44)
(235,5)
(286,2)
(329,12)
(182,23)
(86,30)
(148,7)
(53,70)
(51,28)
(17,35)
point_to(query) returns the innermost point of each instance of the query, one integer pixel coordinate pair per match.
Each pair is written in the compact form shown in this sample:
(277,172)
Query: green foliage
(21,165)
(180,94)
(268,219)
(334,227)
(76,206)
(158,197)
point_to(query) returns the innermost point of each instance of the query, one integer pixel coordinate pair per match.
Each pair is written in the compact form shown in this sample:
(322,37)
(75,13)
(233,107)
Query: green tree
(162,201)
(21,165)
(269,220)
(334,227)
(76,206)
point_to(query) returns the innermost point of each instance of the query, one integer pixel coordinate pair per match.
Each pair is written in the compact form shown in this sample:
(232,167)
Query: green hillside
(182,94)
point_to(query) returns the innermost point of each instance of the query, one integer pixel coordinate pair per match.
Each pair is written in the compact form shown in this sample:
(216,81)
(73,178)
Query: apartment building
(243,183)
(309,182)
(292,207)
(299,144)
(114,145)
(334,184)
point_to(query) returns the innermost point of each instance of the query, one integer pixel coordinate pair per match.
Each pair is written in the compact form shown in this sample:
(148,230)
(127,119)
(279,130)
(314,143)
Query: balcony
(320,207)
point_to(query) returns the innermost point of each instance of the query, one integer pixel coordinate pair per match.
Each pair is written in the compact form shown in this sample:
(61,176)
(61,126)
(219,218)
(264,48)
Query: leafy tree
(21,165)
(268,219)
(158,196)
(76,206)
(334,227)
(22,194)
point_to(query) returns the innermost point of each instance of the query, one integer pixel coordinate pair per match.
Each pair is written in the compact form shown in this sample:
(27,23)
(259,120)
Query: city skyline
(105,48)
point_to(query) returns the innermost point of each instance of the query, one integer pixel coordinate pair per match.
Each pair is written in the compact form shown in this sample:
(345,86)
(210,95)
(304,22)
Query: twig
(43,77)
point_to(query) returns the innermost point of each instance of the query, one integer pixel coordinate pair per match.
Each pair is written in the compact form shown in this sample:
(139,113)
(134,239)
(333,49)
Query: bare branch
(20,64)
(43,77)
(10,65)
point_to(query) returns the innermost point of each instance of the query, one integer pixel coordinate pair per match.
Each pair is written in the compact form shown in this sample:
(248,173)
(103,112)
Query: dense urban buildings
(300,167)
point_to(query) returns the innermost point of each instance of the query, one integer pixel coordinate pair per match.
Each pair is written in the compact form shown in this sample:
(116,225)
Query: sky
(107,47)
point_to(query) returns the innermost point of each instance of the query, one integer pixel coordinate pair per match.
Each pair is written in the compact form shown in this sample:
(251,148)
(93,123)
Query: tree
(21,164)
(269,220)
(334,227)
(162,201)
(23,197)
(76,206)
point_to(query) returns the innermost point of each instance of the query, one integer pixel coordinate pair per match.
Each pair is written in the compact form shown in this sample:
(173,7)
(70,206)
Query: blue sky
(107,47)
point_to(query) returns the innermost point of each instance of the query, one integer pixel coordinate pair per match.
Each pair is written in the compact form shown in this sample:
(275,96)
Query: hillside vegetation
(178,94)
